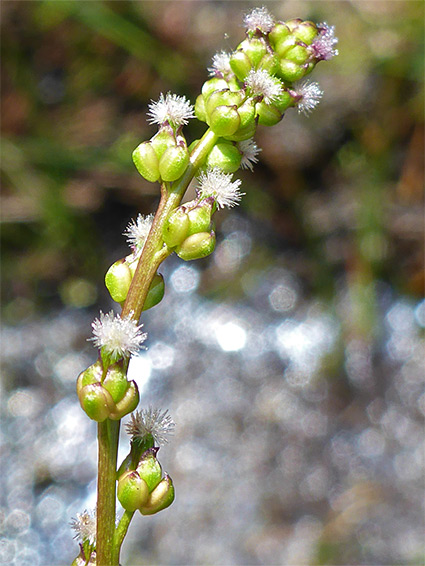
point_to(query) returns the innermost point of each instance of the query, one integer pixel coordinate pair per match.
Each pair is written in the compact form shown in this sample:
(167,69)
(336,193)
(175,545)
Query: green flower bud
(304,31)
(92,374)
(118,279)
(173,163)
(269,63)
(212,85)
(224,97)
(240,64)
(197,246)
(224,120)
(255,48)
(162,140)
(132,491)
(160,498)
(283,101)
(155,293)
(116,382)
(96,402)
(279,32)
(200,216)
(149,469)
(283,46)
(268,114)
(127,404)
(298,54)
(226,156)
(290,71)
(146,161)
(200,108)
(248,123)
(176,228)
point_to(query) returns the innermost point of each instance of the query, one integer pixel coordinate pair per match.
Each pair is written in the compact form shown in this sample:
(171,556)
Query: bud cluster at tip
(255,84)
(258,82)
(145,489)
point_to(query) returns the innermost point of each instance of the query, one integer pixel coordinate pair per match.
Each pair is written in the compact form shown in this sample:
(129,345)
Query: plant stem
(120,533)
(108,433)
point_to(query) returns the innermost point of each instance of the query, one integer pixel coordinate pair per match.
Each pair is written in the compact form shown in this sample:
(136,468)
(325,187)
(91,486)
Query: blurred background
(291,359)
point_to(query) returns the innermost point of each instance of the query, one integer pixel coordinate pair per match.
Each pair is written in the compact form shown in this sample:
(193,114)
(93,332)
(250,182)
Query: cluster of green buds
(189,231)
(165,156)
(103,389)
(106,395)
(257,83)
(144,488)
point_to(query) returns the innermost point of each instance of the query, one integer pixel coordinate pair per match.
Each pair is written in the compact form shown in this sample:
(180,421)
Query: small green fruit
(173,163)
(268,114)
(146,161)
(197,246)
(118,279)
(240,64)
(160,498)
(224,120)
(176,228)
(127,404)
(226,156)
(116,382)
(155,293)
(132,491)
(149,469)
(96,402)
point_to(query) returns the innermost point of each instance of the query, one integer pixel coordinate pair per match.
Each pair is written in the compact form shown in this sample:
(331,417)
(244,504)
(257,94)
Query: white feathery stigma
(137,231)
(171,108)
(118,337)
(84,526)
(262,83)
(249,151)
(153,422)
(259,19)
(310,96)
(220,64)
(217,184)
(324,43)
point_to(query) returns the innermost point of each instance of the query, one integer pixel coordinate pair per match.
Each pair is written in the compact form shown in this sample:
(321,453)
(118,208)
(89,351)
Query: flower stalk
(108,434)
(254,85)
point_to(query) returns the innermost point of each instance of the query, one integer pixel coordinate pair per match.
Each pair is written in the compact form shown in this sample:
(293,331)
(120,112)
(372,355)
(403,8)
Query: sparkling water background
(291,359)
(275,459)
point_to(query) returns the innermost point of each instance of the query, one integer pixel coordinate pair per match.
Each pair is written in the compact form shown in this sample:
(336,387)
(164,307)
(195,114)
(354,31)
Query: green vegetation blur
(338,194)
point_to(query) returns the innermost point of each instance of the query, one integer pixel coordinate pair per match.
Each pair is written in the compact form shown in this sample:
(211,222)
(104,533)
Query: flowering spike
(259,19)
(324,43)
(249,151)
(260,83)
(117,337)
(85,526)
(151,422)
(215,183)
(171,108)
(137,231)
